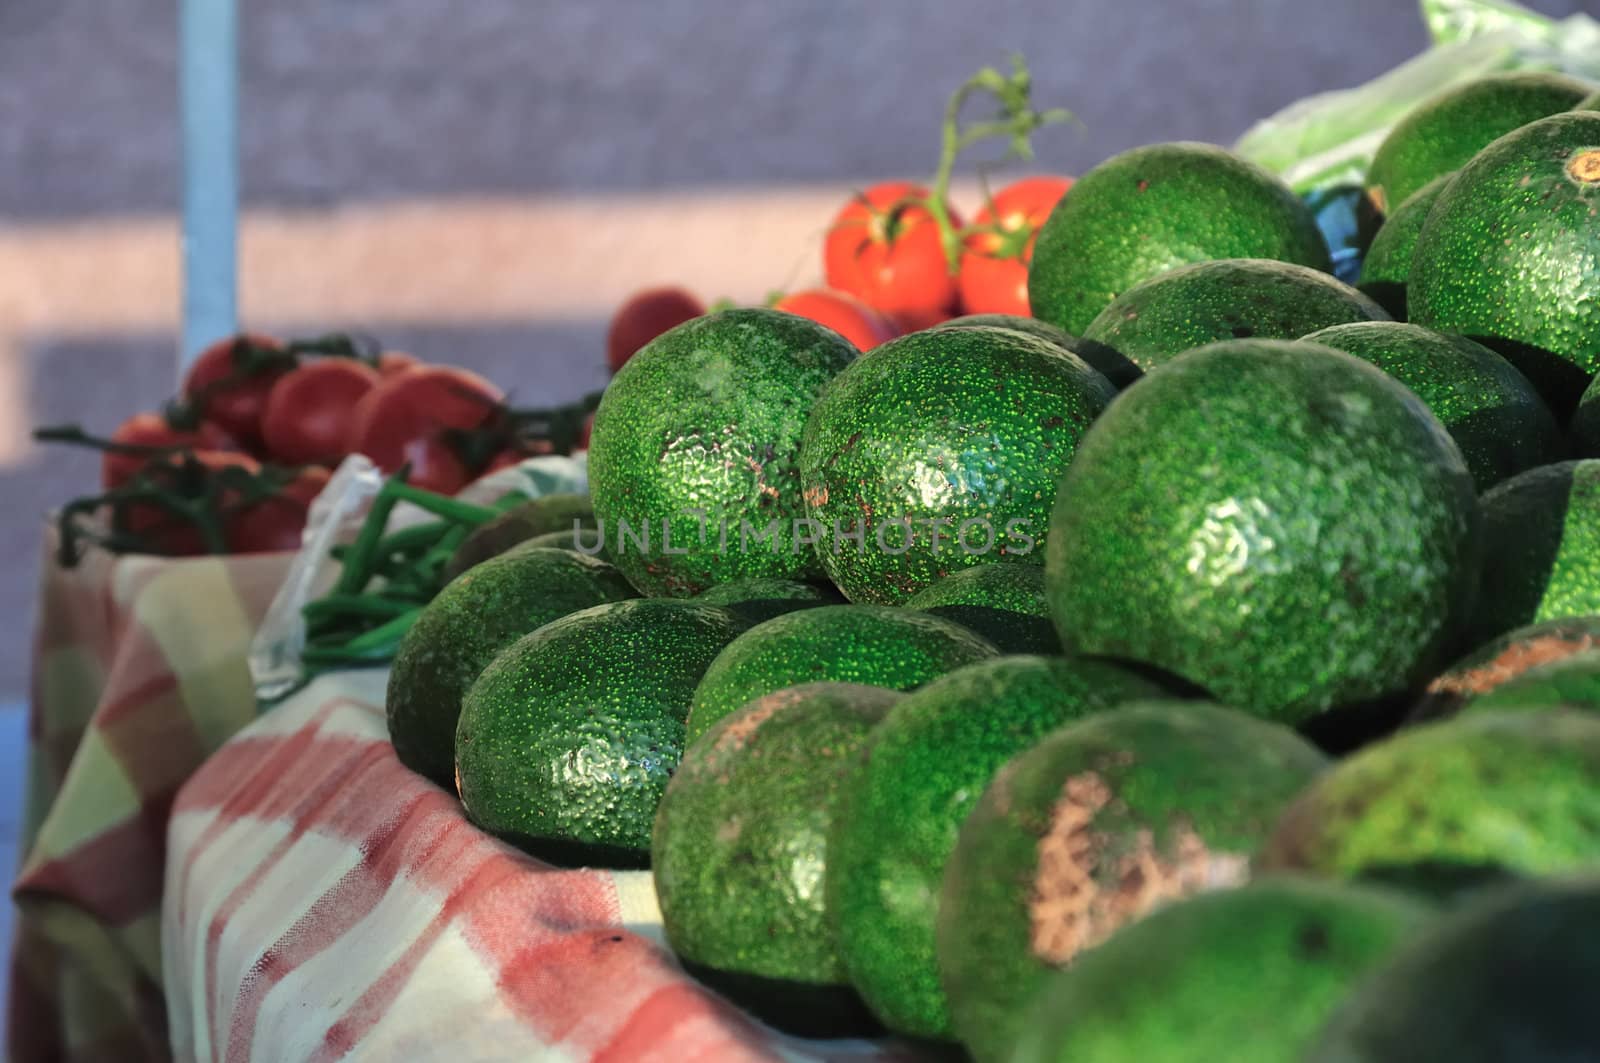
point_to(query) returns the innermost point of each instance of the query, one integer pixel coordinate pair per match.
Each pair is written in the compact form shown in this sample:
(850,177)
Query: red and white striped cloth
(323,903)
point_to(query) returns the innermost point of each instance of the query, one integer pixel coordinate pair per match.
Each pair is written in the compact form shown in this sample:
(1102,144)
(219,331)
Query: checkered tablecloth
(323,903)
(139,675)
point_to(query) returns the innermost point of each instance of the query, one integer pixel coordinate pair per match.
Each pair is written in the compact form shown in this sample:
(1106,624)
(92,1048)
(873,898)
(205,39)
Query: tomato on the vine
(162,530)
(844,313)
(307,416)
(151,429)
(230,381)
(889,253)
(407,416)
(392,362)
(644,316)
(994,266)
(276,523)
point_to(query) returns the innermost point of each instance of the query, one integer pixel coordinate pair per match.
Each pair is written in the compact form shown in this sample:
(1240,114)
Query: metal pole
(209,90)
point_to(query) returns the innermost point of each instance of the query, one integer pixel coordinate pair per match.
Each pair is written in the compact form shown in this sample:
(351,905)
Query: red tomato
(155,430)
(994,267)
(405,417)
(891,257)
(277,523)
(308,413)
(231,380)
(166,532)
(392,362)
(644,316)
(842,312)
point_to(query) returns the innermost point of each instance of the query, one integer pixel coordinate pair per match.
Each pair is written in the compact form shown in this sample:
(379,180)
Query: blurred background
(483,183)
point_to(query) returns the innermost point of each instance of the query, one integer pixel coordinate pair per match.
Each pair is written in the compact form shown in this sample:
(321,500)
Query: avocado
(1003,603)
(1275,521)
(1584,428)
(1102,822)
(693,459)
(1109,364)
(1507,255)
(741,847)
(1231,298)
(1541,548)
(921,774)
(1510,977)
(1248,975)
(1589,103)
(1572,682)
(1150,209)
(1387,264)
(567,739)
(1443,133)
(545,515)
(1505,659)
(940,450)
(584,539)
(1495,416)
(1515,790)
(876,645)
(466,625)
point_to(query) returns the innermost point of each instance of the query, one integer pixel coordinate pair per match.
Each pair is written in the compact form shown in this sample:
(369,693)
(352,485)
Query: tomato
(230,381)
(155,430)
(891,257)
(308,413)
(405,418)
(994,267)
(644,316)
(392,362)
(166,532)
(842,312)
(277,523)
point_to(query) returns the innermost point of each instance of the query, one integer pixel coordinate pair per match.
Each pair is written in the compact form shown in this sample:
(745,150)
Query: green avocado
(940,450)
(1442,134)
(758,600)
(1505,659)
(567,739)
(1571,682)
(876,645)
(545,515)
(1490,410)
(1111,365)
(1099,824)
(1510,254)
(584,540)
(1248,975)
(1153,208)
(693,459)
(1519,791)
(1231,298)
(1541,542)
(1584,428)
(466,625)
(1276,522)
(1508,978)
(1005,604)
(1387,264)
(1590,103)
(747,817)
(900,811)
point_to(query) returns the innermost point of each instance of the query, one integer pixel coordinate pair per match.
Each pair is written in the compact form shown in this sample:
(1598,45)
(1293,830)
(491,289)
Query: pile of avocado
(1205,668)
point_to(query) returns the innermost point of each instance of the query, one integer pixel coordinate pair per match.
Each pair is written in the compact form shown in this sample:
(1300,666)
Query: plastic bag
(1327,141)
(336,516)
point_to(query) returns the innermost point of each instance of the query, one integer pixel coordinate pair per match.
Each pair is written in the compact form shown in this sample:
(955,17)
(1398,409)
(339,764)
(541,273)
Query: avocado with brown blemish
(1506,659)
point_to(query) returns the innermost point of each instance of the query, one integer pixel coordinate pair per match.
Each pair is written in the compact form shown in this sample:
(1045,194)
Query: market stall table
(324,902)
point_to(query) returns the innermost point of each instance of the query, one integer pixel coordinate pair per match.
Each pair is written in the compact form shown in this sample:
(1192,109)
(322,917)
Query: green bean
(416,539)
(384,634)
(451,509)
(358,564)
(351,605)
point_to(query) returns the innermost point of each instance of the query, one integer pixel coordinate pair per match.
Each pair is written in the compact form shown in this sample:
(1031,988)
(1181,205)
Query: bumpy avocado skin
(1541,548)
(1492,412)
(1232,298)
(701,430)
(1153,208)
(545,515)
(876,645)
(1572,682)
(470,621)
(567,739)
(901,809)
(1092,828)
(1510,254)
(1387,264)
(584,540)
(1005,604)
(1590,103)
(1510,977)
(1505,660)
(746,819)
(1584,428)
(1519,791)
(1247,975)
(1109,364)
(1444,133)
(758,600)
(1277,522)
(942,450)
